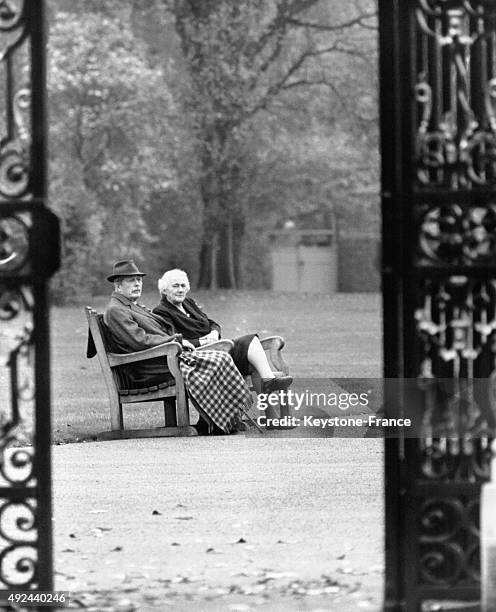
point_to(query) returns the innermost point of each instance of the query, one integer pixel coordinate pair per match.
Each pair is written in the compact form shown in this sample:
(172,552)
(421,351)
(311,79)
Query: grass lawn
(335,336)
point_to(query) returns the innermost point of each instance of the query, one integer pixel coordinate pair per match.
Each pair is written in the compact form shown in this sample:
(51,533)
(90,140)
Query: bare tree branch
(273,89)
(360,20)
(323,82)
(278,26)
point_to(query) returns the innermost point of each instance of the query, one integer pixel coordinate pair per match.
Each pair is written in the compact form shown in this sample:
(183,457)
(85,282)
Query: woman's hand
(213,336)
(187,344)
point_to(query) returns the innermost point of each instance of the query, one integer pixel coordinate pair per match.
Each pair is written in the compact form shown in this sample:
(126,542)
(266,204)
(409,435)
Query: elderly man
(183,315)
(213,382)
(134,327)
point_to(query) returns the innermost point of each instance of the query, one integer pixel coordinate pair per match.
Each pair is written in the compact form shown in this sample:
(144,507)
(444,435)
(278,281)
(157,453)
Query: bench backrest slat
(95,323)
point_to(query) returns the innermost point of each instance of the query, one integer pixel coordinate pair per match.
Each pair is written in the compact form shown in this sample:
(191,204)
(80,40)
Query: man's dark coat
(135,328)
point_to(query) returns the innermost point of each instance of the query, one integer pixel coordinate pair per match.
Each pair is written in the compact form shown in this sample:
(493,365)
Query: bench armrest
(219,345)
(272,342)
(161,350)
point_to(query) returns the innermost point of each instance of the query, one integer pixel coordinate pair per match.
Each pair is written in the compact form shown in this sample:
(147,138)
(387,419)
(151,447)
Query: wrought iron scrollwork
(15,142)
(11,14)
(18,566)
(16,466)
(456,94)
(455,326)
(441,563)
(449,548)
(456,235)
(18,559)
(441,519)
(14,243)
(456,321)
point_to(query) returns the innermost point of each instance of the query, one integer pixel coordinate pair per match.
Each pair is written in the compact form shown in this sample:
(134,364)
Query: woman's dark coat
(196,324)
(192,327)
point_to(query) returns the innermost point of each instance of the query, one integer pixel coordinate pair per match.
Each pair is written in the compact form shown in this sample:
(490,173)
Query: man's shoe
(269,385)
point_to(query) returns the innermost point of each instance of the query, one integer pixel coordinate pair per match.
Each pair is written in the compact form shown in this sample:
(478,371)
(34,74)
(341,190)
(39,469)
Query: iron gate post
(29,255)
(438,144)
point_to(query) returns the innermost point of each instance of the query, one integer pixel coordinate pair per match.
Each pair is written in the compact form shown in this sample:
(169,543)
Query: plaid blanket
(216,386)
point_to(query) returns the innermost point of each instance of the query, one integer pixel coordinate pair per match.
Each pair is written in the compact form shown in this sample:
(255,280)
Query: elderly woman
(187,318)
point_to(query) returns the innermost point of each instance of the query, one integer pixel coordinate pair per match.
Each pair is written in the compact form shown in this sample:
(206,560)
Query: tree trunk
(219,258)
(225,258)
(219,185)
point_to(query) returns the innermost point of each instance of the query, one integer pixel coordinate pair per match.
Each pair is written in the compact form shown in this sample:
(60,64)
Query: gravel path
(220,523)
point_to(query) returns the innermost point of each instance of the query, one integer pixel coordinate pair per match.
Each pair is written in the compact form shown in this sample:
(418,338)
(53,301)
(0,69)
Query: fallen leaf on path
(156,512)
(125,605)
(240,541)
(68,550)
(129,589)
(221,591)
(183,518)
(255,589)
(117,549)
(340,557)
(279,575)
(180,579)
(79,603)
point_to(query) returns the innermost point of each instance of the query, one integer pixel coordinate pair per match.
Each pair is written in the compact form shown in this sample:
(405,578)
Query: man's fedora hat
(125,267)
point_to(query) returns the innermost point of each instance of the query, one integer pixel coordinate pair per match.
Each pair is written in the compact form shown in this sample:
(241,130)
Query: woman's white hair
(166,279)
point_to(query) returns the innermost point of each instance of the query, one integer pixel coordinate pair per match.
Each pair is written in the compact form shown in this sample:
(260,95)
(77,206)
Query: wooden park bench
(172,393)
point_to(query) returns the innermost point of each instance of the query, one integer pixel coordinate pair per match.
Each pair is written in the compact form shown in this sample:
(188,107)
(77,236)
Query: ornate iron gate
(438,109)
(29,238)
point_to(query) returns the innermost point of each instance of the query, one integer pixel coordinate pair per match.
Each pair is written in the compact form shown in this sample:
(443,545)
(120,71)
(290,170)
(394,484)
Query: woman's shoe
(202,427)
(270,385)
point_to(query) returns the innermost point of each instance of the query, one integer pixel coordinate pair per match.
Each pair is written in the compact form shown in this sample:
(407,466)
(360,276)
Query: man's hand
(187,344)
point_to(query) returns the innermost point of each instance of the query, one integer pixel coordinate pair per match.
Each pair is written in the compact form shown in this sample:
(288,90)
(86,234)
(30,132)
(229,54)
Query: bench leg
(170,412)
(116,417)
(182,412)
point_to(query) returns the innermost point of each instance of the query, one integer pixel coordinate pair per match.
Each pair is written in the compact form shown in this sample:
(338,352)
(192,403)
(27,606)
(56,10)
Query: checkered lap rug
(216,386)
